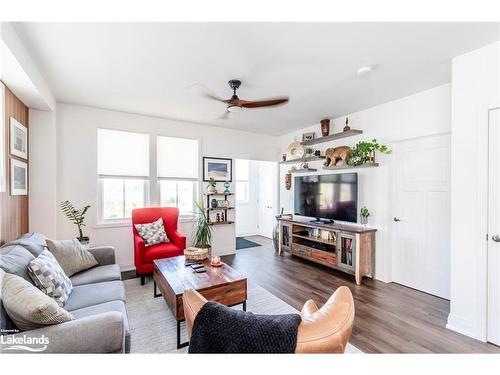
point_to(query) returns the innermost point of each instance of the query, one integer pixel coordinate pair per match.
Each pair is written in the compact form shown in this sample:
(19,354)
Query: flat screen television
(327,197)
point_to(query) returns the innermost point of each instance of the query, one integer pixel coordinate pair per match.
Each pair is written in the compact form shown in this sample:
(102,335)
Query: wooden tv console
(348,248)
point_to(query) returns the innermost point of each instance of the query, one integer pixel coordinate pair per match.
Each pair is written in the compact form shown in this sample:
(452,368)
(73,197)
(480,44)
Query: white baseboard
(463,326)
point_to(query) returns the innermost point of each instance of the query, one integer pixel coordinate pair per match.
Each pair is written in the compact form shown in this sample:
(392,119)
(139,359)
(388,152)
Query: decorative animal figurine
(337,156)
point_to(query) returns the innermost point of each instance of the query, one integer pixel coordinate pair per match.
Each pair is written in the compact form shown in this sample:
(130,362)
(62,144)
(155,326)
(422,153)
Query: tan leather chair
(325,330)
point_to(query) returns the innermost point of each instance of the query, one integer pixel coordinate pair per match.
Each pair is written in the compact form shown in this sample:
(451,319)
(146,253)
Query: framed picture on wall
(18,177)
(2,139)
(18,139)
(220,169)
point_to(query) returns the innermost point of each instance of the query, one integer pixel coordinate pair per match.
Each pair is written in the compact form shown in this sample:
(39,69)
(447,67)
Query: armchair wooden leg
(143,278)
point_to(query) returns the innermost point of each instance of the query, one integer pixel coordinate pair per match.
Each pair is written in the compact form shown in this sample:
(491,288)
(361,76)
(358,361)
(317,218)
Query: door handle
(496,238)
(396,219)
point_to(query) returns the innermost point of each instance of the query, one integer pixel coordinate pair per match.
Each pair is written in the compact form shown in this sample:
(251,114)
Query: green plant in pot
(212,185)
(77,216)
(364,213)
(364,152)
(309,152)
(203,231)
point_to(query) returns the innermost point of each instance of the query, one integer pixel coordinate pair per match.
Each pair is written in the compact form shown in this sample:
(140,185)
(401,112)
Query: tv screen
(330,197)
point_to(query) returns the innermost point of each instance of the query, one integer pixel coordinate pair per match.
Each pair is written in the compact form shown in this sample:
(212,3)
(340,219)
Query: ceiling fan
(235,104)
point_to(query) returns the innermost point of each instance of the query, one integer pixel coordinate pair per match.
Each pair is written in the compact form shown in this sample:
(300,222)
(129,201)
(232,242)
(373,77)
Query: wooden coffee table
(222,284)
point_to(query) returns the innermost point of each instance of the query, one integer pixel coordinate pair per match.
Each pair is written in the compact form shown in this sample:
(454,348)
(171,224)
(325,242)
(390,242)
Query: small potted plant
(364,213)
(77,216)
(309,152)
(364,152)
(212,185)
(203,231)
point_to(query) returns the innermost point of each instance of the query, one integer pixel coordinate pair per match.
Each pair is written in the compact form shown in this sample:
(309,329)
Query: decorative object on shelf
(288,181)
(217,217)
(309,152)
(295,150)
(77,216)
(347,127)
(215,262)
(213,203)
(325,127)
(227,185)
(202,230)
(304,165)
(283,157)
(18,139)
(222,217)
(196,253)
(317,153)
(222,204)
(18,177)
(364,213)
(220,169)
(337,156)
(308,136)
(364,152)
(212,185)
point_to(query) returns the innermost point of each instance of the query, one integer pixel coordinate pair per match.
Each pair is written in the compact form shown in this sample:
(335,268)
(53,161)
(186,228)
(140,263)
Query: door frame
(390,260)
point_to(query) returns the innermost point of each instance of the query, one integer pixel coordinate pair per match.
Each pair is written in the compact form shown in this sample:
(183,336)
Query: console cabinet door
(346,251)
(286,236)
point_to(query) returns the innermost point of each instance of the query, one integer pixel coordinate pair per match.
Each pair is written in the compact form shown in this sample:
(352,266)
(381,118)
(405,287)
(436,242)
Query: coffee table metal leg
(245,306)
(155,293)
(179,344)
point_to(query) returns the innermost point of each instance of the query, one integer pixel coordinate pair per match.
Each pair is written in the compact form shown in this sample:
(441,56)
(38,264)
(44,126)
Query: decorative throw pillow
(152,233)
(50,278)
(28,307)
(71,255)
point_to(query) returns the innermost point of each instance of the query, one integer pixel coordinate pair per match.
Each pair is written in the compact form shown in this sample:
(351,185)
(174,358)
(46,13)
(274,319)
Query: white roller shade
(122,153)
(177,157)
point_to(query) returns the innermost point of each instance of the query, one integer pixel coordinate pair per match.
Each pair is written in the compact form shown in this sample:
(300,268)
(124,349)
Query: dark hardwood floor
(390,318)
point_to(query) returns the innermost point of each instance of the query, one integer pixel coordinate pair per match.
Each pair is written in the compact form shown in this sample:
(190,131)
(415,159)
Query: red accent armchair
(144,256)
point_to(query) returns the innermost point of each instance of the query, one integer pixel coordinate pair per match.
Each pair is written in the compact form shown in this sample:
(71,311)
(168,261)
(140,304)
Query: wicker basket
(196,253)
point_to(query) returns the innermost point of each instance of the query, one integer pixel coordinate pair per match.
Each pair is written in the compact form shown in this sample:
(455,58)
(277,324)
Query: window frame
(196,183)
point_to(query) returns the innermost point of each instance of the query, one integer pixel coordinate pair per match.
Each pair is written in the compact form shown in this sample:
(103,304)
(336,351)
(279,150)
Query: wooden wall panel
(13,209)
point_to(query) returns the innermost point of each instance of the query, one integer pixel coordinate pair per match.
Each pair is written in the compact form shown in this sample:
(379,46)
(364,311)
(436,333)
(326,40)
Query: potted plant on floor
(77,216)
(203,231)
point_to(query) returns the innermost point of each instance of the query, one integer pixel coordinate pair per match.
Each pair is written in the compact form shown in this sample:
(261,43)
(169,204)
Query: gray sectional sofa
(97,302)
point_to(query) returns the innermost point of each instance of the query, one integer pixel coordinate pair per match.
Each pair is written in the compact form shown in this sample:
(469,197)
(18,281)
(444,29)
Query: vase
(325,127)
(364,220)
(371,157)
(213,203)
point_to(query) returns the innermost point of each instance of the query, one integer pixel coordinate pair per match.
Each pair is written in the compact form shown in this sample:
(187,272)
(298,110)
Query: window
(242,185)
(178,173)
(123,173)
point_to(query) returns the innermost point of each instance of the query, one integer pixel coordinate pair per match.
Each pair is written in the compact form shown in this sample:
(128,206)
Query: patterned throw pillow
(152,233)
(50,278)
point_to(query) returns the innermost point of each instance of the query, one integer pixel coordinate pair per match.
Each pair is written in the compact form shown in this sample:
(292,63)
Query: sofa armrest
(192,302)
(102,333)
(103,254)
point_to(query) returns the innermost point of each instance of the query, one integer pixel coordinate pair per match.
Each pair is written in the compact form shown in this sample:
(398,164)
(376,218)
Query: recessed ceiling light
(365,70)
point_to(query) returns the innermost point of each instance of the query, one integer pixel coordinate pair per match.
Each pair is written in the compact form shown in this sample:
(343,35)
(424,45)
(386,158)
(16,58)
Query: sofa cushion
(164,250)
(99,274)
(6,323)
(29,307)
(33,242)
(95,294)
(15,259)
(71,255)
(49,277)
(118,306)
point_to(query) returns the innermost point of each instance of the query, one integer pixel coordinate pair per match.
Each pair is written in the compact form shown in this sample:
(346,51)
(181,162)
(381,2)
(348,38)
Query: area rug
(154,329)
(243,243)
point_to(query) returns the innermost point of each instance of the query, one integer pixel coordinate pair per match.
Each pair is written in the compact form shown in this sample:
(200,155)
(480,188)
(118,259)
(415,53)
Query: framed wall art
(18,139)
(3,172)
(18,177)
(220,169)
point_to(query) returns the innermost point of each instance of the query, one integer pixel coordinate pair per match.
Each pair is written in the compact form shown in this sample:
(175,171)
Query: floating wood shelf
(218,193)
(221,222)
(302,160)
(221,208)
(367,165)
(349,133)
(303,170)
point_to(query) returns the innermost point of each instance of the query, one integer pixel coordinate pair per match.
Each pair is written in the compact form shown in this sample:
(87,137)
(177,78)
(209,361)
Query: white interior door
(421,222)
(494,228)
(268,198)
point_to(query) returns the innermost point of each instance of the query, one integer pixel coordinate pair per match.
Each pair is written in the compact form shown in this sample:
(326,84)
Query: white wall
(43,173)
(76,131)
(419,115)
(476,88)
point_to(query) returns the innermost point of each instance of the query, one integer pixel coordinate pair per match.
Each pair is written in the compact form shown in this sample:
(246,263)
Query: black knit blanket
(221,329)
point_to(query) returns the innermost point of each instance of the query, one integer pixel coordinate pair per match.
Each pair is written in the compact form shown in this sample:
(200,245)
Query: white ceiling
(150,68)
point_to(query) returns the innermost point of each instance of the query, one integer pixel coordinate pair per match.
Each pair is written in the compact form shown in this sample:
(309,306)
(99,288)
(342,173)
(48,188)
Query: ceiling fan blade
(206,92)
(264,103)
